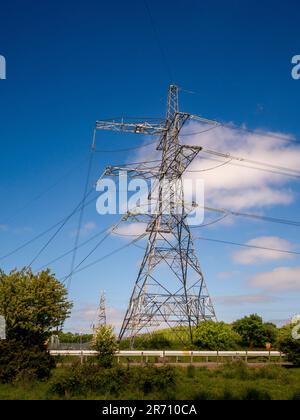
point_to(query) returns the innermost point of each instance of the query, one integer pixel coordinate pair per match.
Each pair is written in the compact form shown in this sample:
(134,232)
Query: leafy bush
(254,332)
(288,345)
(18,362)
(157,341)
(214,336)
(236,370)
(190,371)
(296,396)
(33,305)
(105,343)
(154,341)
(253,394)
(150,379)
(85,379)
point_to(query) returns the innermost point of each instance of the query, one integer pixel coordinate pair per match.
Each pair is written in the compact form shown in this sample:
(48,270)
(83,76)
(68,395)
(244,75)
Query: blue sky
(71,63)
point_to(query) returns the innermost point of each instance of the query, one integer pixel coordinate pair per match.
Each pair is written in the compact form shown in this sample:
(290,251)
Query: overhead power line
(244,165)
(40,235)
(251,161)
(60,227)
(81,212)
(75,269)
(159,42)
(82,244)
(217,124)
(106,256)
(44,192)
(247,245)
(254,216)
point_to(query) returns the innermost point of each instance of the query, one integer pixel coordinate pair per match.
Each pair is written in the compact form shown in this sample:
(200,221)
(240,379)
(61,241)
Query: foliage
(86,379)
(153,341)
(68,337)
(254,394)
(90,381)
(32,305)
(19,361)
(105,343)
(214,336)
(254,332)
(288,345)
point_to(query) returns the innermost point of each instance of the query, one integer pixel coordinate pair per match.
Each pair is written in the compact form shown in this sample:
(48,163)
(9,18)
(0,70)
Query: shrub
(288,345)
(105,343)
(85,379)
(237,370)
(18,362)
(202,396)
(157,341)
(254,332)
(253,394)
(190,371)
(296,396)
(214,336)
(150,379)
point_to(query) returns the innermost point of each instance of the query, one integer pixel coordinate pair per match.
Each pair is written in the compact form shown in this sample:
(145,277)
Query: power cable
(71,250)
(255,216)
(40,235)
(60,228)
(44,192)
(90,164)
(247,245)
(159,43)
(251,161)
(107,256)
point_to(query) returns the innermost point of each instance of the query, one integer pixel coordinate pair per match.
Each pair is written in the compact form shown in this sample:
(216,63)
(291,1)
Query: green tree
(214,336)
(289,344)
(33,305)
(105,343)
(254,332)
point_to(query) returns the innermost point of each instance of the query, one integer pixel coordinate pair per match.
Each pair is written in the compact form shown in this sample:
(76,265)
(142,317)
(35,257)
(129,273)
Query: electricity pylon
(102,310)
(170,290)
(101,313)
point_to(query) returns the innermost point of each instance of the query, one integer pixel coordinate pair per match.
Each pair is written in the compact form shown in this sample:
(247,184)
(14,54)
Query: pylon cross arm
(131,127)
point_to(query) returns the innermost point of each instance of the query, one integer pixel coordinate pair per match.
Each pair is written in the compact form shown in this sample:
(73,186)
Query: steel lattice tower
(101,313)
(102,310)
(170,289)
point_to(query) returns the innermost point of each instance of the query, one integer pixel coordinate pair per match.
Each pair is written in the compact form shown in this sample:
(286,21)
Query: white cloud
(280,279)
(233,185)
(254,256)
(131,229)
(243,299)
(237,187)
(84,317)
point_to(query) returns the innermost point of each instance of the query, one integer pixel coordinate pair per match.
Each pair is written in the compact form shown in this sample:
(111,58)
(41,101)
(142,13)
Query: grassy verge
(234,381)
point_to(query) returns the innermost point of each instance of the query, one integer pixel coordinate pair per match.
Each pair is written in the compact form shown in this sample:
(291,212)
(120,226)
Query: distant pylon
(102,310)
(170,290)
(101,313)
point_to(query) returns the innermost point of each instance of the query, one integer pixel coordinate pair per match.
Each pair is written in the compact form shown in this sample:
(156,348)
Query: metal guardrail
(168,353)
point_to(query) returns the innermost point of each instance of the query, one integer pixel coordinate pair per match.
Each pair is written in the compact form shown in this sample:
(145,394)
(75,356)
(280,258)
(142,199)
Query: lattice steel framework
(170,289)
(102,310)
